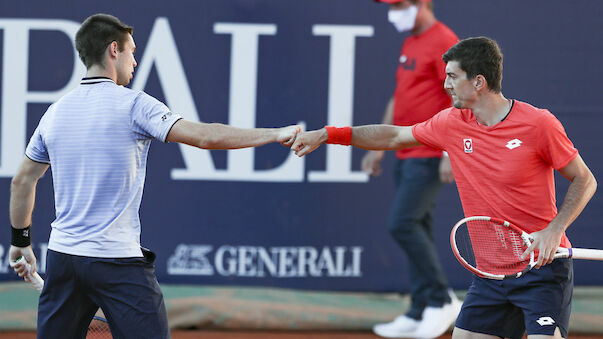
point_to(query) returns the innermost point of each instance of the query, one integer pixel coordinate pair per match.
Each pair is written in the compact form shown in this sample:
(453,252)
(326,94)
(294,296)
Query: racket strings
(491,247)
(98,329)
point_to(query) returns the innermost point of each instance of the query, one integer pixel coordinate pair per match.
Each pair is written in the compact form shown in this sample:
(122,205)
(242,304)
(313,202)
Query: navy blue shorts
(537,303)
(126,289)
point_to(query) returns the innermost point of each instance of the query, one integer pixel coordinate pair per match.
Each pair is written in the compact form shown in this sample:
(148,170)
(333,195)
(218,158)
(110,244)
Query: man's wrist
(21,237)
(324,136)
(338,135)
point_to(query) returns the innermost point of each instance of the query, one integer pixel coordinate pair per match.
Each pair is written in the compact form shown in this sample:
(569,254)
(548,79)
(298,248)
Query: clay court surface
(261,335)
(269,313)
(239,335)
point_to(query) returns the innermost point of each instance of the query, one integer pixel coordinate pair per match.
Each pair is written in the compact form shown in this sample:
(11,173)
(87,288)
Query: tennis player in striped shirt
(96,140)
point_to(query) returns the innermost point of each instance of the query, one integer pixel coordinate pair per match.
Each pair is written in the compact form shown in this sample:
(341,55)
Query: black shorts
(126,289)
(537,303)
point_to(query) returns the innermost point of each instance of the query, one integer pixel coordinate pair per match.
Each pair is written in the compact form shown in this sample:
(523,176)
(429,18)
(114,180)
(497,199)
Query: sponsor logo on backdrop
(259,261)
(190,260)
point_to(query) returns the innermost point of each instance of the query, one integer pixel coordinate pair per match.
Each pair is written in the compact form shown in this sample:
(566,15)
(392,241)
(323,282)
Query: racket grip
(563,253)
(34,278)
(579,253)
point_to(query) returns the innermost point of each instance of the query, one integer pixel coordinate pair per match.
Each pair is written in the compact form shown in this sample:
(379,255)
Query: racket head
(491,248)
(98,328)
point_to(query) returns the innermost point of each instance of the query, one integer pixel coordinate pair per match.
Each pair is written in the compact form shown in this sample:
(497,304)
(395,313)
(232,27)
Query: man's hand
(371,162)
(446,175)
(547,242)
(307,142)
(286,135)
(26,252)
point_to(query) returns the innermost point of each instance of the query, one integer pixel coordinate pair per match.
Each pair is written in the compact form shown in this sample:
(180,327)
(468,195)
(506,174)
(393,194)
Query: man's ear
(479,82)
(113,48)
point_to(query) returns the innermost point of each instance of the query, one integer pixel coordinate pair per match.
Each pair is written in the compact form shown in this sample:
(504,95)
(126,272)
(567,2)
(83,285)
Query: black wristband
(21,237)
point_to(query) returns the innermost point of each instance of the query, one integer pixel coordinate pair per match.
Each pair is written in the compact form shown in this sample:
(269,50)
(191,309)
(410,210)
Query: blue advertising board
(263,217)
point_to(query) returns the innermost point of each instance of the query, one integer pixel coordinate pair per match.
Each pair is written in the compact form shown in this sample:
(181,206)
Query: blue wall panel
(227,225)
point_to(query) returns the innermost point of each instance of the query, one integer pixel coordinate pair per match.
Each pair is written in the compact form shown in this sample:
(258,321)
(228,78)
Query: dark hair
(477,56)
(428,3)
(96,33)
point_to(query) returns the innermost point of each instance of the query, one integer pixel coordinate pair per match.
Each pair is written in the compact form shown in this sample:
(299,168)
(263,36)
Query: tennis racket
(98,328)
(492,248)
(35,278)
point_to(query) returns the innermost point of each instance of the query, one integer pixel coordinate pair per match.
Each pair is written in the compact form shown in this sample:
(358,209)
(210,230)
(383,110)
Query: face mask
(403,19)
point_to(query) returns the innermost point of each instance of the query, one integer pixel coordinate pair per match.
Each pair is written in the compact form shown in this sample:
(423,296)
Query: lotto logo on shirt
(407,64)
(468,145)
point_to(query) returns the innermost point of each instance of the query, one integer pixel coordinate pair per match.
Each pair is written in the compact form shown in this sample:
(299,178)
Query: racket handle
(564,253)
(579,253)
(35,278)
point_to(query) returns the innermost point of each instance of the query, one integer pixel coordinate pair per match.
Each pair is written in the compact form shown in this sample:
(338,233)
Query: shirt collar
(95,80)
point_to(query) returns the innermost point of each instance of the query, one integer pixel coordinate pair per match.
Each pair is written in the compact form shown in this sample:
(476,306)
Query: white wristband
(444,153)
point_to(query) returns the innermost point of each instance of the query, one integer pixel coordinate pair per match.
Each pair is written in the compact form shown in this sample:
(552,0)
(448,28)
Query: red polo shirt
(506,170)
(420,93)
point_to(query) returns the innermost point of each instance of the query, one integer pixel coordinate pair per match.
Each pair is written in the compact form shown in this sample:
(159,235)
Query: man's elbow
(207,143)
(404,138)
(21,181)
(200,135)
(592,183)
(209,137)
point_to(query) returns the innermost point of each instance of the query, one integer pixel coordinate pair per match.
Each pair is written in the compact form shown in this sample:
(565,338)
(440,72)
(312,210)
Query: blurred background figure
(419,172)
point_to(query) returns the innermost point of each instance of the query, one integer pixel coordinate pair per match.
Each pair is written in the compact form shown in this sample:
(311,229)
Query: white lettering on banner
(15,96)
(256,261)
(341,99)
(4,263)
(242,104)
(161,52)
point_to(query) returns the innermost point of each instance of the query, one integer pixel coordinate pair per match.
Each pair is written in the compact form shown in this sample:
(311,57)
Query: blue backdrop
(264,217)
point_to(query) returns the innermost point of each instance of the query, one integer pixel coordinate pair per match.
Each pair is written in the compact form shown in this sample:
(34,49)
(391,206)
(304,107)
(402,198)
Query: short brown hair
(96,33)
(477,56)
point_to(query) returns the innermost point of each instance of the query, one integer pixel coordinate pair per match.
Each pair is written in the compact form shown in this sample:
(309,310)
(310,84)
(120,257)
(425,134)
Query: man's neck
(99,71)
(491,109)
(425,23)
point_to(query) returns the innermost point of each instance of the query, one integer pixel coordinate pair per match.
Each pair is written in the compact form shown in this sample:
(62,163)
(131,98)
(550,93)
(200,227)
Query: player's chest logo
(511,144)
(468,145)
(408,64)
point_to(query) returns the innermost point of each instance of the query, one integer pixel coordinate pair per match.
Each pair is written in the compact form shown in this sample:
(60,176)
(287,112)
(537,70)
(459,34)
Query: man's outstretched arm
(371,137)
(220,136)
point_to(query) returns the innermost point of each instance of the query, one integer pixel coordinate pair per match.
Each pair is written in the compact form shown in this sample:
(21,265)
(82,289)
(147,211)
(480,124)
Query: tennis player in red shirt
(419,172)
(503,154)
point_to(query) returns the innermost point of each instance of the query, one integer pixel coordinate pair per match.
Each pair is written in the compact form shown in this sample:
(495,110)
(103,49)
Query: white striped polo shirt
(96,139)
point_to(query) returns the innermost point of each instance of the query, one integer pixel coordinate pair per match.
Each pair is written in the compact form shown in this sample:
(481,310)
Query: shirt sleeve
(36,148)
(554,145)
(431,132)
(151,118)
